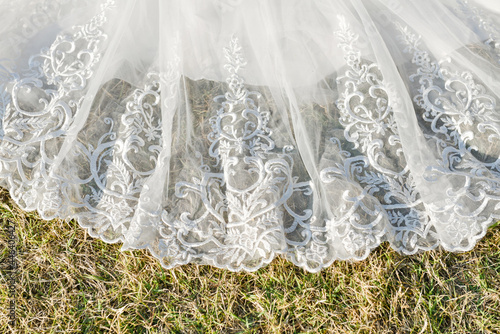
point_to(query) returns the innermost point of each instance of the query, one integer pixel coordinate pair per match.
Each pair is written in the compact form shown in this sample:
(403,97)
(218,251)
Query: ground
(69,282)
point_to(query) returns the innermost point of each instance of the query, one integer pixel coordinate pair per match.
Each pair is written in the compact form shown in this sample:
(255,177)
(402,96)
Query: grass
(71,283)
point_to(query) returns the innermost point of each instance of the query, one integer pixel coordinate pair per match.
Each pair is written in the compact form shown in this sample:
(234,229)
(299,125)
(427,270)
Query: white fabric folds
(228,132)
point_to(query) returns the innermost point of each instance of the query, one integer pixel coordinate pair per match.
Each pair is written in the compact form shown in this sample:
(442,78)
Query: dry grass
(71,283)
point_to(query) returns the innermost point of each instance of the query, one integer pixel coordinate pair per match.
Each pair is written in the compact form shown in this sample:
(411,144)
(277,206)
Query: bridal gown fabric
(229,132)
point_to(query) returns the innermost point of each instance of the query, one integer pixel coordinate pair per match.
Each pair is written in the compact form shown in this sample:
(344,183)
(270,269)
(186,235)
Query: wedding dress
(229,132)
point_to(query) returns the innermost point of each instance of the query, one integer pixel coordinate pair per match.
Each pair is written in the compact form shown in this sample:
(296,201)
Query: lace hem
(242,186)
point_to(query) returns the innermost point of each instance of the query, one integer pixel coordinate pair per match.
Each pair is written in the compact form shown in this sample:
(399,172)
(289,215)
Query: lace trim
(456,105)
(247,217)
(244,192)
(369,124)
(39,104)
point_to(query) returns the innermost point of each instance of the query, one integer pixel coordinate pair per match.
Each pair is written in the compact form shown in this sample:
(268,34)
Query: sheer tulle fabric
(229,132)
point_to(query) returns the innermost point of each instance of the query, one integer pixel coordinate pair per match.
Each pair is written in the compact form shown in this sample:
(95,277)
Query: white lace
(236,190)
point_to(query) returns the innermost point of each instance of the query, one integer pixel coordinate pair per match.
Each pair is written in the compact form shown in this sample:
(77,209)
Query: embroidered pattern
(42,102)
(244,202)
(375,192)
(245,192)
(456,106)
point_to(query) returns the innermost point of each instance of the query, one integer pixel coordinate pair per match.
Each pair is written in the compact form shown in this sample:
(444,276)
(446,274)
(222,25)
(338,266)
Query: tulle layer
(230,132)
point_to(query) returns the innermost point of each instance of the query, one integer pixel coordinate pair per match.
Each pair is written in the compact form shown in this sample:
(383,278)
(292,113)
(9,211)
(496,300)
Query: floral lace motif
(244,193)
(456,106)
(124,157)
(40,108)
(388,191)
(247,203)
